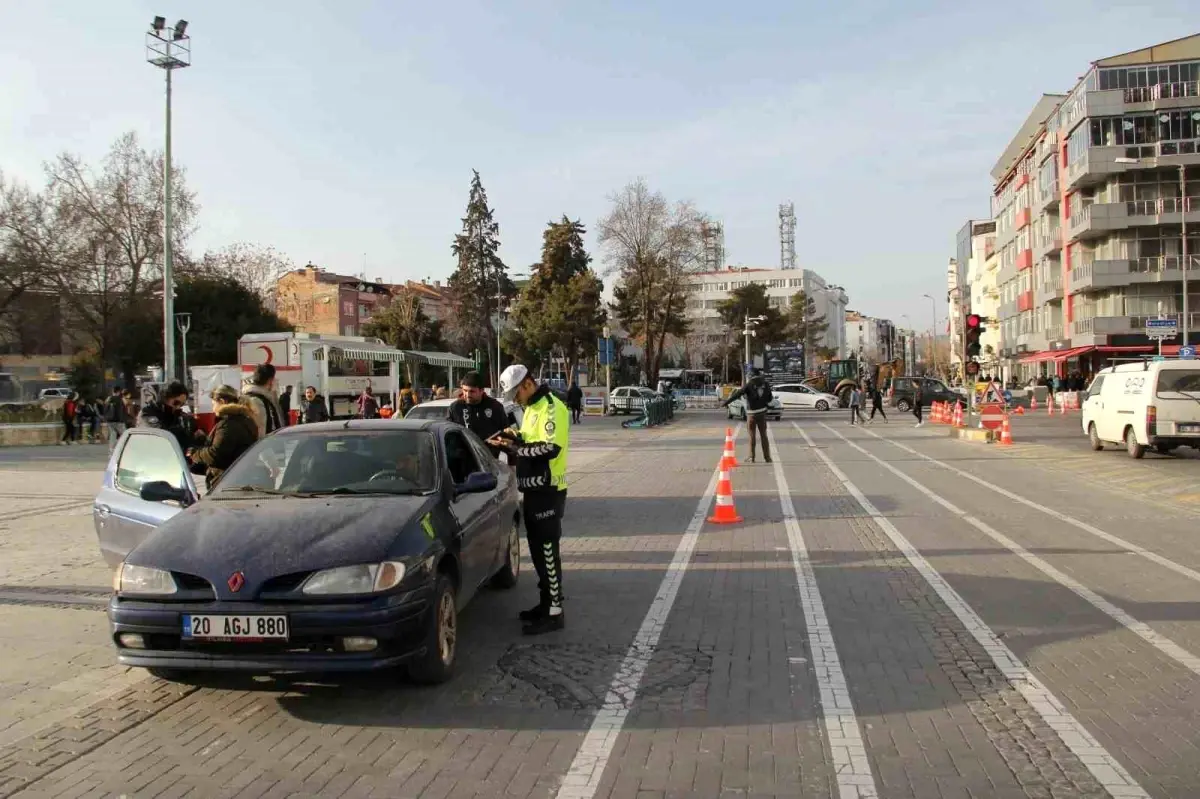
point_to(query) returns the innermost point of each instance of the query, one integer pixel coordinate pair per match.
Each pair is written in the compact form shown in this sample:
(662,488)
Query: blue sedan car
(342,546)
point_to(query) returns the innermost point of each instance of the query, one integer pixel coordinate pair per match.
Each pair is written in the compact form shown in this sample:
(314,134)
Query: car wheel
(822,405)
(1097,444)
(904,406)
(511,570)
(1132,446)
(436,663)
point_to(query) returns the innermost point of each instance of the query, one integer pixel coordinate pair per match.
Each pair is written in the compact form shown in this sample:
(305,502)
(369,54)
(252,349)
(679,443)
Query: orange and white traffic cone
(1033,402)
(1050,405)
(937,413)
(1018,411)
(1005,433)
(1062,406)
(724,512)
(958,419)
(728,457)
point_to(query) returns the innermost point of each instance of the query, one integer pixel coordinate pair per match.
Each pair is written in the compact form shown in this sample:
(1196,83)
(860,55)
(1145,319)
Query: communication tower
(787,236)
(713,236)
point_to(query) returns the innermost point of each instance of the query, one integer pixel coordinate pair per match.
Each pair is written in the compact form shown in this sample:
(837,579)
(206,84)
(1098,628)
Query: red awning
(1074,352)
(1037,357)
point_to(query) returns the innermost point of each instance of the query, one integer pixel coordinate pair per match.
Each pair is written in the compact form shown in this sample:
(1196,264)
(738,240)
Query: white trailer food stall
(339,367)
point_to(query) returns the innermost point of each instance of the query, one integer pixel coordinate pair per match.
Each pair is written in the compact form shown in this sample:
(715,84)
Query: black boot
(546,624)
(536,612)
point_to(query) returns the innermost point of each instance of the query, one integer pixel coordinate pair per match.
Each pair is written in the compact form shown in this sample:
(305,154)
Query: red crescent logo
(267,350)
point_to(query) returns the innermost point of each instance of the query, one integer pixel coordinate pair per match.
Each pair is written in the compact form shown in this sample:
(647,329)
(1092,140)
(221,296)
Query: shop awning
(1074,352)
(1038,357)
(364,352)
(447,359)
(1128,348)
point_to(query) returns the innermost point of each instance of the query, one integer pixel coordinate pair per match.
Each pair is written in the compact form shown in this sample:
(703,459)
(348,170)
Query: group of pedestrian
(81,417)
(860,395)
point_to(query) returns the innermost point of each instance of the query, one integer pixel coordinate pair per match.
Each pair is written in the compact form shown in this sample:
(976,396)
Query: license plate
(235,628)
(1189,428)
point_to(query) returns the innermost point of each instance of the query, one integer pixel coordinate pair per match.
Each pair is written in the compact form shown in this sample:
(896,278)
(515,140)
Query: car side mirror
(477,483)
(162,491)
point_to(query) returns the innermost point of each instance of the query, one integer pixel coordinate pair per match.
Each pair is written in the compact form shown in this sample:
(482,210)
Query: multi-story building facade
(1088,202)
(967,287)
(709,289)
(314,300)
(870,339)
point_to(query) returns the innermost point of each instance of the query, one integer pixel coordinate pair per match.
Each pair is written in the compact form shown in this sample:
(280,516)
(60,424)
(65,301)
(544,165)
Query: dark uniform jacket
(484,420)
(757,393)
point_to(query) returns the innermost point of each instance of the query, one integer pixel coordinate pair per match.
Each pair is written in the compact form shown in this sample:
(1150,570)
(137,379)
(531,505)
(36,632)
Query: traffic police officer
(539,450)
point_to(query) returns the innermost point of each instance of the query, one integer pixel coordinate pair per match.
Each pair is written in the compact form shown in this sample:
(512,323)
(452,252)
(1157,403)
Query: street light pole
(933,334)
(607,363)
(169,51)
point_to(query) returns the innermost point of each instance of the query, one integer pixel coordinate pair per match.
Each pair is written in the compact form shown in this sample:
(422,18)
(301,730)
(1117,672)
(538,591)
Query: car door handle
(103,511)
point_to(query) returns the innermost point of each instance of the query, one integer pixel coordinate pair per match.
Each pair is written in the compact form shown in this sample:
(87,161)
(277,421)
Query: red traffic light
(973,320)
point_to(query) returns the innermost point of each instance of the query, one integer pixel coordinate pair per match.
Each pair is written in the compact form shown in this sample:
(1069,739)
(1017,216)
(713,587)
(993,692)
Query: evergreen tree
(479,277)
(560,311)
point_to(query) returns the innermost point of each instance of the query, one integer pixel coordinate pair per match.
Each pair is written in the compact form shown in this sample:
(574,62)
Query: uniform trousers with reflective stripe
(543,528)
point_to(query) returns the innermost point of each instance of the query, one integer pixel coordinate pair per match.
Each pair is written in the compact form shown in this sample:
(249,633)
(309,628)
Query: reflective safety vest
(541,454)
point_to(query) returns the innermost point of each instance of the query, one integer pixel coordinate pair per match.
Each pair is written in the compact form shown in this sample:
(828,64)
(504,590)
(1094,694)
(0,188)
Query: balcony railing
(1080,214)
(1161,91)
(1179,147)
(1054,333)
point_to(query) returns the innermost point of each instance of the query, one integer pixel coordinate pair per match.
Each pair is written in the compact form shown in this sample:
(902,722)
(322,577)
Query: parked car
(1141,405)
(338,546)
(798,396)
(629,399)
(901,391)
(737,409)
(438,409)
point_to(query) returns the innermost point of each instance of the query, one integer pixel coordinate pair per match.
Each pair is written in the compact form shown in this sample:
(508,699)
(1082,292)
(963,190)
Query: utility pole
(748,333)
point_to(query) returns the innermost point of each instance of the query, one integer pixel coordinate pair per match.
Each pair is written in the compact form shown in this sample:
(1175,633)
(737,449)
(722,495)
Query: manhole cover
(578,676)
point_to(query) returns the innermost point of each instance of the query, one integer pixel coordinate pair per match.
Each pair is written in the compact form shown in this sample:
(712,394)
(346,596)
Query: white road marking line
(1160,642)
(847,750)
(582,780)
(1153,557)
(1102,766)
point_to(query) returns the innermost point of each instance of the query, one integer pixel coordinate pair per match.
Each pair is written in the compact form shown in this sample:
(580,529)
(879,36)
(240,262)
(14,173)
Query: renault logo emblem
(236,581)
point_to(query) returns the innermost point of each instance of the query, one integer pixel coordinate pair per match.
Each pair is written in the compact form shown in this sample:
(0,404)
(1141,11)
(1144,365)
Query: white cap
(510,378)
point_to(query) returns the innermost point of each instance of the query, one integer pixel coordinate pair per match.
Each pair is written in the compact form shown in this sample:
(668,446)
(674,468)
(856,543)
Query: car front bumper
(398,623)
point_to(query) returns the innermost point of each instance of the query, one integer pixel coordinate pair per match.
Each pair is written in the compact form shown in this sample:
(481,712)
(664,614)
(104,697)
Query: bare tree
(404,324)
(96,236)
(255,266)
(654,248)
(22,230)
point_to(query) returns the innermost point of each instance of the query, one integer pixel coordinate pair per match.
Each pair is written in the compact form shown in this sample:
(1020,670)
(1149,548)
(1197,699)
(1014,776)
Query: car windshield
(336,462)
(428,412)
(1179,381)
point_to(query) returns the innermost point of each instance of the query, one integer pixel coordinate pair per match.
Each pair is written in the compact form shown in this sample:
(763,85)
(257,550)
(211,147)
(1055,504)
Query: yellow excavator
(838,377)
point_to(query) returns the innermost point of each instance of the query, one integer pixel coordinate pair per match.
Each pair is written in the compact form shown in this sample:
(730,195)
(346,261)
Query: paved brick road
(896,629)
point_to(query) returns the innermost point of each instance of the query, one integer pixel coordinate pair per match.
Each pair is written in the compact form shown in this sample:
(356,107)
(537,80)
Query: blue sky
(347,137)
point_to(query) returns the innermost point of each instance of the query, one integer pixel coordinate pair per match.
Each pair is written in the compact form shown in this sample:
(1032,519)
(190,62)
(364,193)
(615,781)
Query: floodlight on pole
(168,52)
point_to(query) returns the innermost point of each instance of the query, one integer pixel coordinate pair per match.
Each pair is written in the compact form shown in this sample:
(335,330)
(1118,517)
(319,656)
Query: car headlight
(143,581)
(365,578)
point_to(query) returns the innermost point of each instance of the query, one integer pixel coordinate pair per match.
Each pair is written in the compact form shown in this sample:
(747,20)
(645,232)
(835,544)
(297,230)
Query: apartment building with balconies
(1089,202)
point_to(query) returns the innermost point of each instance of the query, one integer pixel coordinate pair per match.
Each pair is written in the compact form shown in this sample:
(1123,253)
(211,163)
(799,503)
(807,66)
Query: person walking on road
(758,396)
(876,403)
(114,417)
(918,401)
(540,453)
(856,399)
(575,400)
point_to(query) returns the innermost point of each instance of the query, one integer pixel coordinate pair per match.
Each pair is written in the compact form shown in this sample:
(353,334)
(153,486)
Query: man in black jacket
(482,415)
(758,396)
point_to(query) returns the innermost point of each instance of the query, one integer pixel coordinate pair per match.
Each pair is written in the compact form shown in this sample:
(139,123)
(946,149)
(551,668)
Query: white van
(1149,404)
